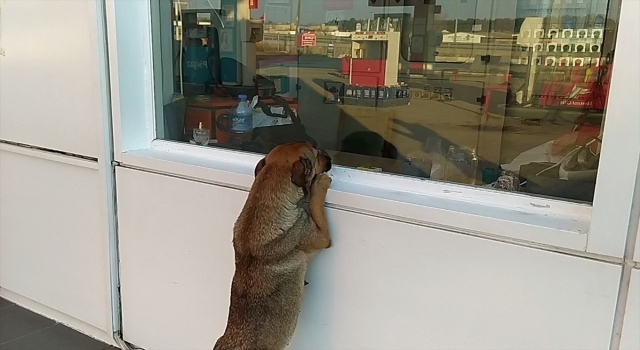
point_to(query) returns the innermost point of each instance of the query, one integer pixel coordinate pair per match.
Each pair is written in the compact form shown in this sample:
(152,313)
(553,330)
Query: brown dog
(281,225)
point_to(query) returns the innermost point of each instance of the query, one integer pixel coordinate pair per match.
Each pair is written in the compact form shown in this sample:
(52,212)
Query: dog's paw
(321,183)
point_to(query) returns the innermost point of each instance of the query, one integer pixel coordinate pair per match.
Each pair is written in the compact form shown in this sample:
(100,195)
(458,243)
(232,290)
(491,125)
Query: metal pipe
(455,30)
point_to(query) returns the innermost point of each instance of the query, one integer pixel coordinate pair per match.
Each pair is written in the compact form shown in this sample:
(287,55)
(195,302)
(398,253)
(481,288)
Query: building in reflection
(565,14)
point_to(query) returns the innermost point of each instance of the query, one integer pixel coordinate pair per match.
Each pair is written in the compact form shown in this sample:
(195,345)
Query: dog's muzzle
(326,160)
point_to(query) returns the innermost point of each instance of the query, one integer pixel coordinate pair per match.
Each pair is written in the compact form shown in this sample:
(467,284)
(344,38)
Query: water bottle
(241,121)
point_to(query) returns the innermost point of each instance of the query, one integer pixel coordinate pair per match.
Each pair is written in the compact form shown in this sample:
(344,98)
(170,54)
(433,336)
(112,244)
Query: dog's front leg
(319,239)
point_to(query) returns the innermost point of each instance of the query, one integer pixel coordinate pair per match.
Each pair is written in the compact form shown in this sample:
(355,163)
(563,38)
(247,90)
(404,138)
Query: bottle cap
(242,97)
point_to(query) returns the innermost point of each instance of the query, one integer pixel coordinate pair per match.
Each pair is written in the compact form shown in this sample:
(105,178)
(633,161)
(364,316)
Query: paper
(277,110)
(260,119)
(226,40)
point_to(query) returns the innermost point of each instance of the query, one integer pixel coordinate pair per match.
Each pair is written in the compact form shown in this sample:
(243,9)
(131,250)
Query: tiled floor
(21,329)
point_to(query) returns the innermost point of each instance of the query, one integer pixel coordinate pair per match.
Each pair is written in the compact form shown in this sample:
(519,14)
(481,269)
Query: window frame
(510,217)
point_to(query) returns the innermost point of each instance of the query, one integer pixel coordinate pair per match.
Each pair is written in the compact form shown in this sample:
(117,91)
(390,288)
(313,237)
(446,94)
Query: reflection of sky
(313,12)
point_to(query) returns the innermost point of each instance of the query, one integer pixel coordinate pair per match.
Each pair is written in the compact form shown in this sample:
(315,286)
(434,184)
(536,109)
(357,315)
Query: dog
(281,226)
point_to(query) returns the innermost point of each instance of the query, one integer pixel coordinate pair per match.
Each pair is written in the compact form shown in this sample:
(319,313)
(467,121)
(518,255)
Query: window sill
(501,216)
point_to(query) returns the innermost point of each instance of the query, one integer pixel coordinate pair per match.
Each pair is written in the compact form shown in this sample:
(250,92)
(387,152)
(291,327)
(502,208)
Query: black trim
(49,150)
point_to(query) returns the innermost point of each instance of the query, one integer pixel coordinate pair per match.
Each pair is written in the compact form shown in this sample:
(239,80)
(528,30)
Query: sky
(313,11)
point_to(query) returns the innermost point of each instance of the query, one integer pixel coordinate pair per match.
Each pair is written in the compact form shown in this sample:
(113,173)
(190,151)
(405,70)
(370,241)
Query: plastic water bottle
(241,121)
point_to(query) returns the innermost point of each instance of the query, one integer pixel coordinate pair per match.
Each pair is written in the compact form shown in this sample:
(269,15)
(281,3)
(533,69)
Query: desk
(213,113)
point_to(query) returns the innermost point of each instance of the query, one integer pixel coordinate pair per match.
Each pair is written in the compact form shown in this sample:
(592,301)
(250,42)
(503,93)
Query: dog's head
(302,160)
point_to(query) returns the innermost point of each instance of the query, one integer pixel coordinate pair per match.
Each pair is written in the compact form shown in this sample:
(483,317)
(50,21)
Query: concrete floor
(21,329)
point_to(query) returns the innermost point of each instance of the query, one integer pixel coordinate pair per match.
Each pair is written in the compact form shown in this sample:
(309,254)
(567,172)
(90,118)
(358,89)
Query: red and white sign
(253,4)
(307,39)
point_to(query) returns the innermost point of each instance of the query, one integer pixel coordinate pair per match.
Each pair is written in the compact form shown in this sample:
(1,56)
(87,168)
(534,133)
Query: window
(497,93)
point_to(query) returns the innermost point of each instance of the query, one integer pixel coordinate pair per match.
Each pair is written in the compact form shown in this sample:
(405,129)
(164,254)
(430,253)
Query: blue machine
(210,45)
(196,65)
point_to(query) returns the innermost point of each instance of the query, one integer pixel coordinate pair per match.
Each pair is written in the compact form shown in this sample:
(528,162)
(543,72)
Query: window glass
(506,94)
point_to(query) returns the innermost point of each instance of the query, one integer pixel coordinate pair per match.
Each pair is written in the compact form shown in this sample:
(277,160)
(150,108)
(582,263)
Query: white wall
(382,285)
(53,226)
(52,242)
(631,328)
(50,89)
(636,254)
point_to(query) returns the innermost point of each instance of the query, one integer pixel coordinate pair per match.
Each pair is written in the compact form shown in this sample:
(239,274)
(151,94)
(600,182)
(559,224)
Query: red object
(346,64)
(367,72)
(598,95)
(586,131)
(210,113)
(564,92)
(572,95)
(253,4)
(487,95)
(575,93)
(307,39)
(212,119)
(416,67)
(544,95)
(583,96)
(223,124)
(213,114)
(578,74)
(195,116)
(549,95)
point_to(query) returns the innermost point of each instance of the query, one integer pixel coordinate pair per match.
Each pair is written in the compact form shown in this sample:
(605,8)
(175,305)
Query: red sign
(307,39)
(253,4)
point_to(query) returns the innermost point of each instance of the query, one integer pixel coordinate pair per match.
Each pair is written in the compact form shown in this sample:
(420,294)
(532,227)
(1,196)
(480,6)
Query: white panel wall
(53,243)
(384,284)
(631,328)
(50,80)
(636,255)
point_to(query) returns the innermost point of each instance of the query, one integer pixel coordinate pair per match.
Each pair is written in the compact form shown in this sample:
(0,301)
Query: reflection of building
(462,38)
(571,14)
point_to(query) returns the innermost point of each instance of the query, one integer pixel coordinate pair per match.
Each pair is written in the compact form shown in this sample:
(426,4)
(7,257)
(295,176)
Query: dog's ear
(301,172)
(259,166)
